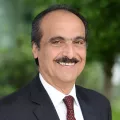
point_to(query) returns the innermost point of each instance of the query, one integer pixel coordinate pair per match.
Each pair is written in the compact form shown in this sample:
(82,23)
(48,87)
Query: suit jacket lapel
(88,112)
(44,108)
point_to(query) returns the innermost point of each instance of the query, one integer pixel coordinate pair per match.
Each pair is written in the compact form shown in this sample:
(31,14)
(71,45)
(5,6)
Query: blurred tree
(104,41)
(17,65)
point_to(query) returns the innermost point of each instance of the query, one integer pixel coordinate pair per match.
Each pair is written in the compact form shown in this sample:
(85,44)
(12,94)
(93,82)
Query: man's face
(62,52)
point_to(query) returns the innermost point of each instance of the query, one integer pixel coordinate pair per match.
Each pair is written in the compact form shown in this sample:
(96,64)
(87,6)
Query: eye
(79,42)
(56,42)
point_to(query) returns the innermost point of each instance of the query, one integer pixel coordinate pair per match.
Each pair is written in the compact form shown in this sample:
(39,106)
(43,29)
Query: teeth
(67,64)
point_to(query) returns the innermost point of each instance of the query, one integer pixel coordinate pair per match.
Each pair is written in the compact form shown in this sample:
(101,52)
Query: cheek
(82,54)
(48,56)
(53,53)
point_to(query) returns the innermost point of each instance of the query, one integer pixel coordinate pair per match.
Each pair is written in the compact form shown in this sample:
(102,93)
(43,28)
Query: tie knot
(68,100)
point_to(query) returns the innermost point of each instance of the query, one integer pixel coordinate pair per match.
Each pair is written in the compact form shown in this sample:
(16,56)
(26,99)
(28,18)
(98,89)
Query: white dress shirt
(57,100)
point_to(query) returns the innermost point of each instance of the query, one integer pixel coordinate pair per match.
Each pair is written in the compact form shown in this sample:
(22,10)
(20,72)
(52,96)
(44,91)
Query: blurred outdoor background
(102,71)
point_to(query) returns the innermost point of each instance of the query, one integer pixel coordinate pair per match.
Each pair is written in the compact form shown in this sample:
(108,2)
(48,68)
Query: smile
(65,61)
(66,64)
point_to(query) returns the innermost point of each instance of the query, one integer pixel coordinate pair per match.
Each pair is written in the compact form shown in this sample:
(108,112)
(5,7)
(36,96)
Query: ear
(35,50)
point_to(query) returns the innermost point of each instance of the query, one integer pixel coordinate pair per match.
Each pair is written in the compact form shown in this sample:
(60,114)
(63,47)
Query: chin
(69,79)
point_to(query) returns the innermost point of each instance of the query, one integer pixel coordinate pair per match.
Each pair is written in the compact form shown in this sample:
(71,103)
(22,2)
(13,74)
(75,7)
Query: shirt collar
(55,95)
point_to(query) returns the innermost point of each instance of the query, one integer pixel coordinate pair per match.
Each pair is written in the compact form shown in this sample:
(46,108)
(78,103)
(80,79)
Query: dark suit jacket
(33,103)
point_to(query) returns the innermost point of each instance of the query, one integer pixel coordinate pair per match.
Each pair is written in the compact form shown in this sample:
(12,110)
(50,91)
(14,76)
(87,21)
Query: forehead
(62,21)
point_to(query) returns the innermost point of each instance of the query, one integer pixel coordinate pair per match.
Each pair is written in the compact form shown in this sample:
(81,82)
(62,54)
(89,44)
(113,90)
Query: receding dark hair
(36,33)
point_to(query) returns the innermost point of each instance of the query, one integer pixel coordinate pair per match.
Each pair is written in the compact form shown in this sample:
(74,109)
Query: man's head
(59,44)
(36,33)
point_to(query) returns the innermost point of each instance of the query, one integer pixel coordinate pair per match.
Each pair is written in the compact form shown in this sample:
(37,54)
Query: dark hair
(36,33)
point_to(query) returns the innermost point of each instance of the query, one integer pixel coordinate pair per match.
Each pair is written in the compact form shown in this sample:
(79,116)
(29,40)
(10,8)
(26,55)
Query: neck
(63,87)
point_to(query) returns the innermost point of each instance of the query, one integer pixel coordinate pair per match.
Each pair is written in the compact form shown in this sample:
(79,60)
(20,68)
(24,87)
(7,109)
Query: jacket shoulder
(15,103)
(16,97)
(91,95)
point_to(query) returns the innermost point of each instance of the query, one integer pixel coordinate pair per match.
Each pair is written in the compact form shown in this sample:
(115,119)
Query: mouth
(67,62)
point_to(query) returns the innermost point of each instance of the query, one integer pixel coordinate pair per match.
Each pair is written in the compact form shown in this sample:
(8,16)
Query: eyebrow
(63,38)
(79,37)
(56,37)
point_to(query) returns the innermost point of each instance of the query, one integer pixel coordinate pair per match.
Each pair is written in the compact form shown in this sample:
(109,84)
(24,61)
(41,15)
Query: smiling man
(62,51)
(59,48)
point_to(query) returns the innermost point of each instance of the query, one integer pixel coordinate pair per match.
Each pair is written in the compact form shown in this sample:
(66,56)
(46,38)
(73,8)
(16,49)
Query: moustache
(65,59)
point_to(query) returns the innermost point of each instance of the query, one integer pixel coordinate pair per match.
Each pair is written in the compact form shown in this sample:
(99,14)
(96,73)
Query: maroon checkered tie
(68,100)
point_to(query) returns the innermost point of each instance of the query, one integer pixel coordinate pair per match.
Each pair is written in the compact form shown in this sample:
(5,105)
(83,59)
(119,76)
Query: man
(59,48)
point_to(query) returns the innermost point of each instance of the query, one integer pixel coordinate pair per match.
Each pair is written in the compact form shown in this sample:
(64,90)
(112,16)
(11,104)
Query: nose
(68,50)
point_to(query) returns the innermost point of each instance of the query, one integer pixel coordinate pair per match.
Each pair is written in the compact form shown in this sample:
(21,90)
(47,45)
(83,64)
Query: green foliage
(17,65)
(5,90)
(115,115)
(104,26)
(116,109)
